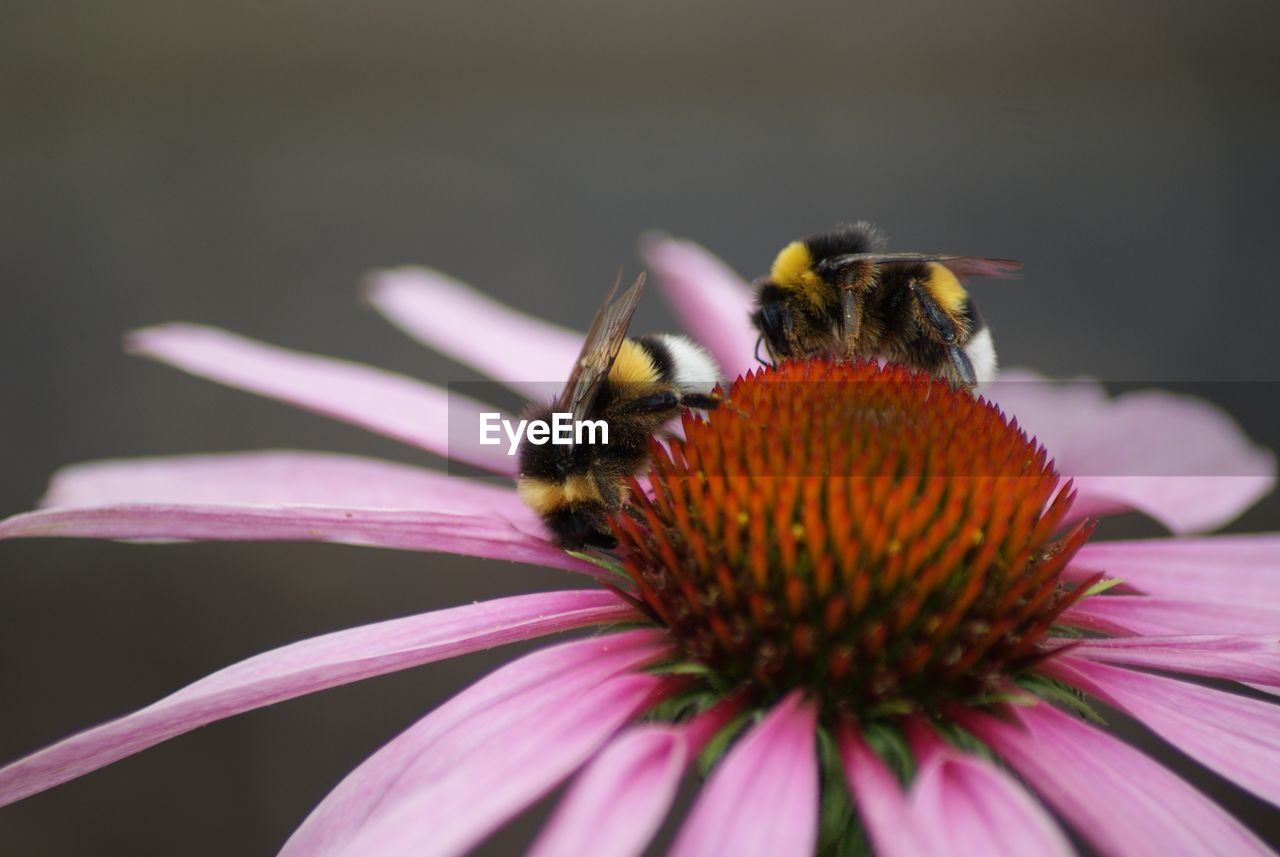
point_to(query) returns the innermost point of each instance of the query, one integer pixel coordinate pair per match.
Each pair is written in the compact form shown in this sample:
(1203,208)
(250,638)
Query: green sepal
(682,706)
(1102,586)
(891,746)
(890,708)
(1065,695)
(1002,697)
(719,744)
(840,831)
(679,668)
(964,740)
(608,563)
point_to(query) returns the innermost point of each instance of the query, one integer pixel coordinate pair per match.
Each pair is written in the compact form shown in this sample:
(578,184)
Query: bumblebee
(841,294)
(636,386)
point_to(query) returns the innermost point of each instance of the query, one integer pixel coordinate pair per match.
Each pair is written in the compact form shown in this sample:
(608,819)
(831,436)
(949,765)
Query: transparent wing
(962,266)
(600,349)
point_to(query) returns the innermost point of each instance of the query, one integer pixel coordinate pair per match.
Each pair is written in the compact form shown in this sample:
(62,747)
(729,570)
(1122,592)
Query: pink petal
(882,805)
(380,401)
(279,478)
(1169,617)
(551,672)
(762,799)
(1227,569)
(306,667)
(470,535)
(1118,799)
(967,806)
(464,803)
(1184,504)
(289,495)
(1247,659)
(461,771)
(712,301)
(1179,459)
(527,354)
(1235,736)
(620,799)
(1054,411)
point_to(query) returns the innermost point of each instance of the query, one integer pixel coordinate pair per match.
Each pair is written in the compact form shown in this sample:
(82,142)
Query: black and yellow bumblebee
(636,386)
(840,294)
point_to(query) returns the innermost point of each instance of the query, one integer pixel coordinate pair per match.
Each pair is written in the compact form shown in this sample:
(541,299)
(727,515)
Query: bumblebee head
(799,305)
(782,296)
(775,318)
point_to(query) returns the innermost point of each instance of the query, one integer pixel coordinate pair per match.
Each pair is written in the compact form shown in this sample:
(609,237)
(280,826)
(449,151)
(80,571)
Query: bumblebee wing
(600,349)
(961,266)
(978,266)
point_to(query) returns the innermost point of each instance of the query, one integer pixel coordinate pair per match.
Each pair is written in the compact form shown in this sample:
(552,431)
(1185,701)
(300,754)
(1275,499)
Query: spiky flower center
(866,533)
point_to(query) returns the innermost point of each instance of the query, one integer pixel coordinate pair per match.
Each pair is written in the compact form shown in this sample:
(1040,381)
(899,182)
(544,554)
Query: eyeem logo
(562,430)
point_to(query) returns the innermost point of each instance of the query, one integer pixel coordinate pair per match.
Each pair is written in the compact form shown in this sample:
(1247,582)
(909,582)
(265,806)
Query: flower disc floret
(864,533)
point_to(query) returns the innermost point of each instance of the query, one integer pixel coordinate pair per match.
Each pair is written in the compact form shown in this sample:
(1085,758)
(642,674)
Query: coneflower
(863,605)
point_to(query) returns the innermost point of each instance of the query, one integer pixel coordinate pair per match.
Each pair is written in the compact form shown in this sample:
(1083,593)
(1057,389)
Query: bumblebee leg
(941,323)
(582,526)
(700,401)
(962,365)
(599,539)
(852,323)
(667,400)
(612,492)
(646,405)
(944,329)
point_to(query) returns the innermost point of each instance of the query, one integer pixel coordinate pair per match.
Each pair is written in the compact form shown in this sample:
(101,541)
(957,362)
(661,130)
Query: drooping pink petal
(306,667)
(462,770)
(1118,799)
(1184,504)
(1236,569)
(1054,411)
(762,798)
(618,802)
(279,478)
(1252,659)
(882,804)
(712,301)
(969,808)
(527,354)
(487,536)
(1169,617)
(383,402)
(1235,736)
(1179,459)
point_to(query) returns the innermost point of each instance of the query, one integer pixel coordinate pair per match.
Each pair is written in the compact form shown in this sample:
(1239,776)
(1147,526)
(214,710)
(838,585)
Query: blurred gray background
(242,164)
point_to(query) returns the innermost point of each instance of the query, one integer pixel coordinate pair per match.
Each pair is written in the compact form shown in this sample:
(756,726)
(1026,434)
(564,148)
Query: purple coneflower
(865,605)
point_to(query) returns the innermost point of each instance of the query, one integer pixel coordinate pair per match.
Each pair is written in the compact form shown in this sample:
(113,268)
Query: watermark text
(562,430)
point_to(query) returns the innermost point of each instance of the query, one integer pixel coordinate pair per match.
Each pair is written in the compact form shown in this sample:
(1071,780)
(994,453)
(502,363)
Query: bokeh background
(242,164)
